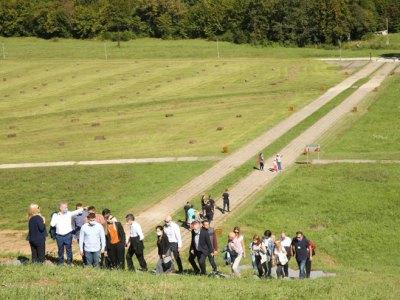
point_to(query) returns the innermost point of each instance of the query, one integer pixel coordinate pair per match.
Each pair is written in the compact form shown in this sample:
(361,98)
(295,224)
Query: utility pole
(217,49)
(387,31)
(340,47)
(105,51)
(4,51)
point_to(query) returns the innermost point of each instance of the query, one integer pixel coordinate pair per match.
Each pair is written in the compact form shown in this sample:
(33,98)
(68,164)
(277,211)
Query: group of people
(102,242)
(276,163)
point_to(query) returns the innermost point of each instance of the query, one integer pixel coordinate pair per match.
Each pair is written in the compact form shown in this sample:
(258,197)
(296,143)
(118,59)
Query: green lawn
(121,188)
(371,133)
(56,107)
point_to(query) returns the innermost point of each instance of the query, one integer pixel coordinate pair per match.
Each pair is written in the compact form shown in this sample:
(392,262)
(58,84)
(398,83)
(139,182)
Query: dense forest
(288,22)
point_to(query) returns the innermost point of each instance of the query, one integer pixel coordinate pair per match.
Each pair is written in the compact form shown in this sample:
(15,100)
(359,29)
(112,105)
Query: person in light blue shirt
(92,241)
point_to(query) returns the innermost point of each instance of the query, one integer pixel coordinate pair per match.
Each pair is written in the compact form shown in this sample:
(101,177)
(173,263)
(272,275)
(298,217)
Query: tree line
(287,22)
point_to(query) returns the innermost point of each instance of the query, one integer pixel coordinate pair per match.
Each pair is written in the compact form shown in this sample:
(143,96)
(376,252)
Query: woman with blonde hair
(280,259)
(37,233)
(259,252)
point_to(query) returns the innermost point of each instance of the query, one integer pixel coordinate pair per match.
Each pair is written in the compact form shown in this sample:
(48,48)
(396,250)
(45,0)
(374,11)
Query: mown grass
(372,132)
(349,213)
(121,188)
(53,109)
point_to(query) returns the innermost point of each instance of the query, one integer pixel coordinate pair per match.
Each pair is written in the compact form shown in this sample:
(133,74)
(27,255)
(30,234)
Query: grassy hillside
(372,132)
(121,188)
(54,108)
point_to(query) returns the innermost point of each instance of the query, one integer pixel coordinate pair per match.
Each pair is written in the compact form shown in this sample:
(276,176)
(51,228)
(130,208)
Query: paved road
(257,180)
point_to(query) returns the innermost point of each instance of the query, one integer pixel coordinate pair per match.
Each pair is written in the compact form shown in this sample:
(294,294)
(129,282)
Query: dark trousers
(261,166)
(136,248)
(269,267)
(279,271)
(226,205)
(286,267)
(64,241)
(261,267)
(38,250)
(212,262)
(174,250)
(308,268)
(201,258)
(116,253)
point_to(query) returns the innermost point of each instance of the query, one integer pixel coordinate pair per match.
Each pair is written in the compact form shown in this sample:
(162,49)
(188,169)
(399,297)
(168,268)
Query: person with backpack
(280,259)
(37,233)
(62,221)
(309,261)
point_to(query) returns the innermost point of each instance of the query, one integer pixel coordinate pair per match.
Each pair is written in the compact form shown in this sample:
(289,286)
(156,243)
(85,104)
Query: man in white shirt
(286,242)
(173,233)
(135,243)
(62,221)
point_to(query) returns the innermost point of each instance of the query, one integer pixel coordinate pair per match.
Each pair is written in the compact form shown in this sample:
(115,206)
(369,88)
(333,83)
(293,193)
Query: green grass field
(372,132)
(57,107)
(121,188)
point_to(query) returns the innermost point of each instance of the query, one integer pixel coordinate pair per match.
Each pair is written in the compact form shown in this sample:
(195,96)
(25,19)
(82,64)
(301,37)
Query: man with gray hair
(62,221)
(173,233)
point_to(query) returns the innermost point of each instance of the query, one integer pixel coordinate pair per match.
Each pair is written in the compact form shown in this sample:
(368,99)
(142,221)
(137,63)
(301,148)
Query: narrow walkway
(257,180)
(353,161)
(108,162)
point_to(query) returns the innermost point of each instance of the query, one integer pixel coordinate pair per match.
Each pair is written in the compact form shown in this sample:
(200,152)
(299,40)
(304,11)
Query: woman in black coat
(164,252)
(37,234)
(115,243)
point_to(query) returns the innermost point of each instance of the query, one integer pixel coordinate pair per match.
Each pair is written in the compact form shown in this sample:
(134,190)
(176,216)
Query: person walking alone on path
(92,241)
(164,264)
(261,162)
(301,247)
(173,232)
(37,234)
(62,221)
(279,162)
(225,197)
(115,242)
(135,243)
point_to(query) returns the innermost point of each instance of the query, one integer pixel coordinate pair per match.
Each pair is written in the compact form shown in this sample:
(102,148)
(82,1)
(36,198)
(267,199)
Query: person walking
(279,162)
(92,241)
(240,239)
(173,232)
(261,162)
(269,244)
(62,221)
(186,209)
(164,264)
(225,197)
(301,247)
(309,262)
(208,211)
(36,234)
(259,252)
(115,243)
(281,259)
(135,243)
(191,211)
(200,248)
(99,218)
(236,251)
(286,243)
(213,239)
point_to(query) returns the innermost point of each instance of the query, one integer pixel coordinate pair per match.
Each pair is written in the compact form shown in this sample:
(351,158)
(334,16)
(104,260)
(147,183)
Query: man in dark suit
(200,247)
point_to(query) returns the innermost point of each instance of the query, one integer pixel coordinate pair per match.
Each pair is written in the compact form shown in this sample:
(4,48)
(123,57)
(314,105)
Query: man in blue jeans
(62,221)
(301,247)
(92,241)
